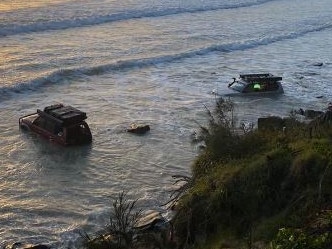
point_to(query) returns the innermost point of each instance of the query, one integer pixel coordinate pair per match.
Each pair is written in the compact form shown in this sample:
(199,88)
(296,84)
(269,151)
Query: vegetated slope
(259,187)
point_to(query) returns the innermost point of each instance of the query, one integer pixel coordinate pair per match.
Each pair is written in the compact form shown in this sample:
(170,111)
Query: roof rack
(52,107)
(66,115)
(264,77)
(256,75)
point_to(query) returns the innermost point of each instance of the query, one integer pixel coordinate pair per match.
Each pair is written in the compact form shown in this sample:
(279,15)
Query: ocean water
(144,61)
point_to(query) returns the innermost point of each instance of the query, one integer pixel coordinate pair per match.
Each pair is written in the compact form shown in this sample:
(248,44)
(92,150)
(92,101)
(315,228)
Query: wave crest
(65,23)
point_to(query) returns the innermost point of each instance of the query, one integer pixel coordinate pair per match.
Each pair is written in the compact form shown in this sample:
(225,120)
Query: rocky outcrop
(271,123)
(139,129)
(314,119)
(308,113)
(325,118)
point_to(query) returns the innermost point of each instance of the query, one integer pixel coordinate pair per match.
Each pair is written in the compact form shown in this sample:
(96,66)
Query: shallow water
(148,62)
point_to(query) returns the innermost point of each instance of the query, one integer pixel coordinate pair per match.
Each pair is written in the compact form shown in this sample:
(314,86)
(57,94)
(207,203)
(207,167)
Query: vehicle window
(58,129)
(40,121)
(273,86)
(49,126)
(249,88)
(264,87)
(78,133)
(238,86)
(84,129)
(72,132)
(258,87)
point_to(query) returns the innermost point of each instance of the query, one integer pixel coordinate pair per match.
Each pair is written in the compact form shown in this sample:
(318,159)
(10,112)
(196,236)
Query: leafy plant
(120,232)
(244,177)
(123,220)
(288,238)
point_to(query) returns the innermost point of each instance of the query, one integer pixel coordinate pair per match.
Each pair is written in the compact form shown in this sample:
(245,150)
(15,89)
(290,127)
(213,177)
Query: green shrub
(307,167)
(257,179)
(119,233)
(288,238)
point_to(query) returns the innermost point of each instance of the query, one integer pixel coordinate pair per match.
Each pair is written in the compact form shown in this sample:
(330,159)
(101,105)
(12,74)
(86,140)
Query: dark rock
(329,107)
(325,118)
(308,113)
(270,123)
(312,113)
(299,111)
(151,220)
(139,129)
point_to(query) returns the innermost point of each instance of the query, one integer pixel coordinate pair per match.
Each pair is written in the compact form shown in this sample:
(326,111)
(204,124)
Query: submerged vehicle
(256,83)
(64,125)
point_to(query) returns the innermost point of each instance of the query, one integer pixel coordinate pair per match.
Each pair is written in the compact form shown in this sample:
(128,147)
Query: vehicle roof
(260,78)
(66,115)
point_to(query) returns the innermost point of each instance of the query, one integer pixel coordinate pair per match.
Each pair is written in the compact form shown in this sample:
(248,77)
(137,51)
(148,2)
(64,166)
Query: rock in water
(139,129)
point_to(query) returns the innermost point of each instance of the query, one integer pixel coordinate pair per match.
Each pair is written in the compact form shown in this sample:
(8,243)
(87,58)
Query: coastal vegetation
(269,187)
(120,231)
(266,187)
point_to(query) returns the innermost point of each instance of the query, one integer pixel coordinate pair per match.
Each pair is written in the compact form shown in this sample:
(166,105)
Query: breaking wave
(59,75)
(76,22)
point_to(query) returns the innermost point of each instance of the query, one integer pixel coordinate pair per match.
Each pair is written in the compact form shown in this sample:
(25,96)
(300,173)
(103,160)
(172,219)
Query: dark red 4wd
(62,124)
